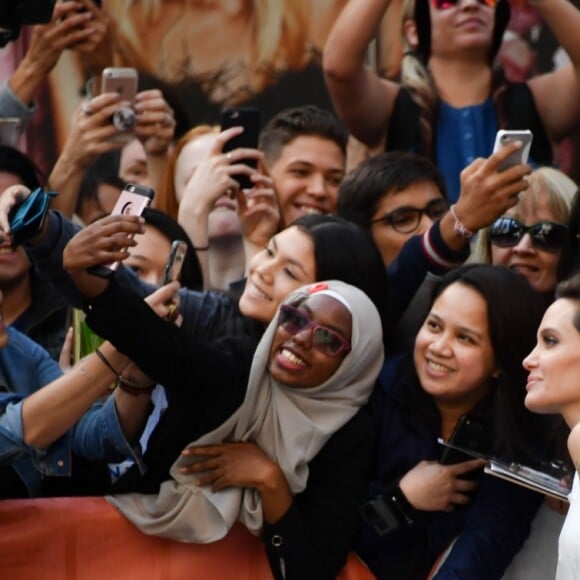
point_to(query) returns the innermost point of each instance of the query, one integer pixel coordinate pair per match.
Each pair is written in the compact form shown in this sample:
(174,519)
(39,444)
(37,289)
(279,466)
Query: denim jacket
(25,367)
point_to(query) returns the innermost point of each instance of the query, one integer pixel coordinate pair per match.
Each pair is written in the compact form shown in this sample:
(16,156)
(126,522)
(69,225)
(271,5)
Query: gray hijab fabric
(290,425)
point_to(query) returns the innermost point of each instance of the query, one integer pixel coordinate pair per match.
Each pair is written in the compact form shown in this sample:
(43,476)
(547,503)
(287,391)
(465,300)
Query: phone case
(132,201)
(249,119)
(120,80)
(504,137)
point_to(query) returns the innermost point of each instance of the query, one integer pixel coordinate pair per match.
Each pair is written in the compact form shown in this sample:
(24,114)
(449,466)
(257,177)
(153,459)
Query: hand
(91,131)
(430,486)
(213,177)
(96,50)
(69,27)
(11,197)
(258,211)
(165,302)
(105,240)
(231,465)
(155,122)
(487,194)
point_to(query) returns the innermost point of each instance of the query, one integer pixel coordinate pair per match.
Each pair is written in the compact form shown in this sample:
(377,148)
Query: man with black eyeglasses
(401,200)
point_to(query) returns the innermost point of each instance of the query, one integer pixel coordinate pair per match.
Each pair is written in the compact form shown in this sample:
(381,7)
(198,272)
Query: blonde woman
(530,236)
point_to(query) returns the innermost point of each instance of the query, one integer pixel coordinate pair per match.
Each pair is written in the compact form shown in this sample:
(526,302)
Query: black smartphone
(470,439)
(249,119)
(174,262)
(132,201)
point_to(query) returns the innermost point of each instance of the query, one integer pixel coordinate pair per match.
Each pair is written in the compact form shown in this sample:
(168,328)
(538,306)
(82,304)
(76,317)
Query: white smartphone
(174,262)
(505,137)
(132,201)
(124,82)
(10,131)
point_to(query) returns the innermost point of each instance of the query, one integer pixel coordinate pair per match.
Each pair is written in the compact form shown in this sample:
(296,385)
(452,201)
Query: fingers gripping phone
(132,201)
(174,262)
(249,119)
(505,137)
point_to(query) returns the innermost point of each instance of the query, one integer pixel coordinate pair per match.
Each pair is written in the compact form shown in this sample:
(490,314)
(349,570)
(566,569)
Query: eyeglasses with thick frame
(406,219)
(324,339)
(507,232)
(447,4)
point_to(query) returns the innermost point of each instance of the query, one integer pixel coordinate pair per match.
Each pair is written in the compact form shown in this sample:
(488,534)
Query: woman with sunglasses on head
(529,237)
(450,101)
(553,387)
(463,369)
(280,439)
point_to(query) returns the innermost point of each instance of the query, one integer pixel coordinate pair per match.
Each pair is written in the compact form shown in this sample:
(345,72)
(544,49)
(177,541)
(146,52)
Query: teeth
(258,293)
(437,367)
(290,356)
(5,250)
(309,209)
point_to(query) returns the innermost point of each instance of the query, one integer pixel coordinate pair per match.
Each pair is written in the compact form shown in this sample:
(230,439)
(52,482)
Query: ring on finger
(172,312)
(87,109)
(229,156)
(168,121)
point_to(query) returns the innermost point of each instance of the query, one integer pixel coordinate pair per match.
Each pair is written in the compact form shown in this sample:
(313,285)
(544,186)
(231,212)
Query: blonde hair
(167,198)
(279,31)
(560,190)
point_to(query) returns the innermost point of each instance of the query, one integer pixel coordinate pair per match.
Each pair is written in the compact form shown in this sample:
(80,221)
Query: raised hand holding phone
(174,262)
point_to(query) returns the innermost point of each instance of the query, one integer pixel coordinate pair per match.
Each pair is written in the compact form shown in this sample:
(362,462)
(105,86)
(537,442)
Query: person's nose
(441,345)
(317,186)
(525,245)
(304,337)
(265,270)
(531,361)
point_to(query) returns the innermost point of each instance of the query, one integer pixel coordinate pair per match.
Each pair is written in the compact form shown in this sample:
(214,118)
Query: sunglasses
(506,232)
(447,4)
(324,339)
(407,219)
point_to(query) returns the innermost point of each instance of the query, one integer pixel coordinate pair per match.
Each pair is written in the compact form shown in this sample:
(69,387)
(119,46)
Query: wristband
(133,387)
(388,511)
(459,227)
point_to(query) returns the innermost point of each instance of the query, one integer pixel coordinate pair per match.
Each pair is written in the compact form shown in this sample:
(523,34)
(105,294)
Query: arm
(360,97)
(557,93)
(154,127)
(89,136)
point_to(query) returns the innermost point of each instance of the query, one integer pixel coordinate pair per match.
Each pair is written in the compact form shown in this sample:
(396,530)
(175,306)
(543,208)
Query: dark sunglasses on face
(506,232)
(324,339)
(407,219)
(447,4)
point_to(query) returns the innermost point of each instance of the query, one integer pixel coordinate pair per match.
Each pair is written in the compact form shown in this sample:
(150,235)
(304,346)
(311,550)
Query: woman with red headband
(450,101)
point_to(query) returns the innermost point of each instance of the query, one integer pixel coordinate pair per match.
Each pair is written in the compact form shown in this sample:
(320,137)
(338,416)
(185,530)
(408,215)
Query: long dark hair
(514,312)
(343,251)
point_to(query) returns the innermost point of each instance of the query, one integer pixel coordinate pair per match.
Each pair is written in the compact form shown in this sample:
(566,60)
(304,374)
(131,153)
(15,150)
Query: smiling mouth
(309,209)
(255,292)
(438,367)
(292,358)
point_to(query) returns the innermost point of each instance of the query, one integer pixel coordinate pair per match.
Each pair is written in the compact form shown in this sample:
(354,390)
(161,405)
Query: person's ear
(410,33)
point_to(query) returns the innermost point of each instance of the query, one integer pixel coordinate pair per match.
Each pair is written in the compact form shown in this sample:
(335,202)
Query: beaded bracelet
(133,387)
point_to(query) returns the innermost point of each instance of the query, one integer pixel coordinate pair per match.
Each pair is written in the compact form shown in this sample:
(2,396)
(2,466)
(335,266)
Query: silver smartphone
(174,262)
(123,81)
(132,201)
(505,137)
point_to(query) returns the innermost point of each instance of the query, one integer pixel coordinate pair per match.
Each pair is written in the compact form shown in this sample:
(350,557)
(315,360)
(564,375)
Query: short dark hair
(308,120)
(570,289)
(363,188)
(345,252)
(14,161)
